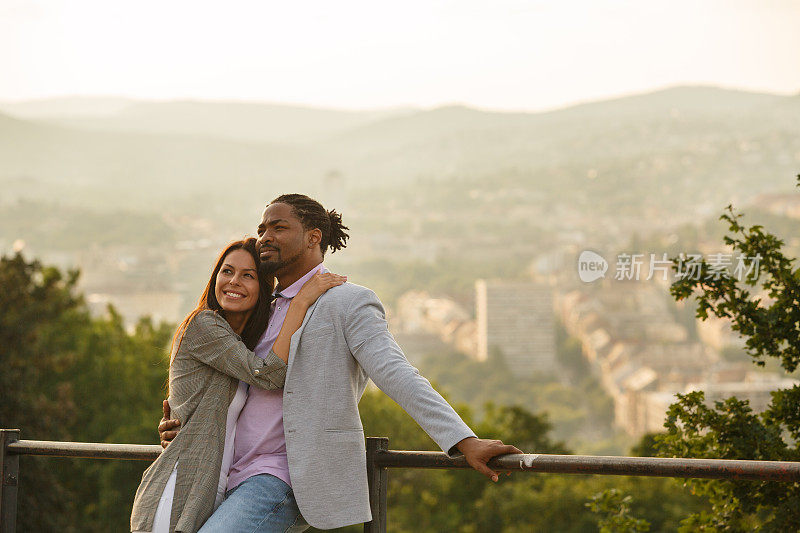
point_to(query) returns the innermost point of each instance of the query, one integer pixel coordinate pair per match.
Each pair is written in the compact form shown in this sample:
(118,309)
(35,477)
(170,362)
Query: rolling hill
(238,121)
(668,150)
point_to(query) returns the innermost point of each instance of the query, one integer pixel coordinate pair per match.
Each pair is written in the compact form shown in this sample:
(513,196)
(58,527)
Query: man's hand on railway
(167,427)
(477,452)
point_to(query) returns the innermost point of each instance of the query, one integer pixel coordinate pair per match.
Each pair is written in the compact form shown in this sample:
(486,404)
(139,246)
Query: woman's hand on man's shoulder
(315,287)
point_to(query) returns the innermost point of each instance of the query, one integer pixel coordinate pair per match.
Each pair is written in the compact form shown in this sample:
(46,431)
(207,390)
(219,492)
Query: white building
(516,318)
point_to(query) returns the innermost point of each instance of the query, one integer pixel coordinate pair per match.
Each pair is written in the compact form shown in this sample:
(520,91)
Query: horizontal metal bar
(90,450)
(560,464)
(604,465)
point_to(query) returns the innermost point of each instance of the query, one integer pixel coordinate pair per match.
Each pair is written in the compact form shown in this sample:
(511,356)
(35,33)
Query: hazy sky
(503,54)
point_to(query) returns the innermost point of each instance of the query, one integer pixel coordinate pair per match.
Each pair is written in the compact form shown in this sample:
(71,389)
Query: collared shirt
(260,445)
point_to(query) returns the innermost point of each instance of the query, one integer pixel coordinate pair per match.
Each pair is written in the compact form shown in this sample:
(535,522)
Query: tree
(68,376)
(764,310)
(614,510)
(39,322)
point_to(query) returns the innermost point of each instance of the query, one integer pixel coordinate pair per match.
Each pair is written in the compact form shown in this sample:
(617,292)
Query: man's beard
(272,267)
(268,268)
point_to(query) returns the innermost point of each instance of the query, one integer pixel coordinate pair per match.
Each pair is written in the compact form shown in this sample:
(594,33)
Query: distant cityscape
(466,223)
(627,330)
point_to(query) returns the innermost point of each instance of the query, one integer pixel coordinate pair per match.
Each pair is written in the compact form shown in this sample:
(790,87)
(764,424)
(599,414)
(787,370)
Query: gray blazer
(344,340)
(203,379)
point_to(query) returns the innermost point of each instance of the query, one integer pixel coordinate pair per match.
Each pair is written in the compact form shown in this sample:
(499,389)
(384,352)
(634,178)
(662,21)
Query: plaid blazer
(203,378)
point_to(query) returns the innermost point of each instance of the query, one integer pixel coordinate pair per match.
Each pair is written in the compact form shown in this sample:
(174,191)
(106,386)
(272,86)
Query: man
(299,454)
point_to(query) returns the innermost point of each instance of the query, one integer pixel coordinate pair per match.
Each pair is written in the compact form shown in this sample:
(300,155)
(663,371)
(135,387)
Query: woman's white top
(230,434)
(164,510)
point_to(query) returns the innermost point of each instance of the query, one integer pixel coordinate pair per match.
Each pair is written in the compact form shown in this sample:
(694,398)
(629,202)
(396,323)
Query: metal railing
(380,458)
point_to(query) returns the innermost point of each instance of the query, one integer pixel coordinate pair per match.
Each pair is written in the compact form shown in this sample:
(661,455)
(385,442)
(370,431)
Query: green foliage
(36,335)
(447,501)
(647,446)
(67,376)
(730,429)
(768,324)
(614,510)
(528,502)
(39,311)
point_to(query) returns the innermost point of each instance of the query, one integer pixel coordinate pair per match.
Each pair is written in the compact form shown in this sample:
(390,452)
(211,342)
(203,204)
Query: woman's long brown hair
(256,324)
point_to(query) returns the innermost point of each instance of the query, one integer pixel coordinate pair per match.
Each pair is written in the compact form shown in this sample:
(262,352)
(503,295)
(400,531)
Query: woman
(211,353)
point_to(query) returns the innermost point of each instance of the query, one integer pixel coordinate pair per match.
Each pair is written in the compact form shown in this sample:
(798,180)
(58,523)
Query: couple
(265,387)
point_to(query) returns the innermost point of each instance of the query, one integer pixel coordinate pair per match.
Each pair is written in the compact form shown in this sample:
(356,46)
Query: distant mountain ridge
(684,145)
(269,122)
(239,121)
(66,106)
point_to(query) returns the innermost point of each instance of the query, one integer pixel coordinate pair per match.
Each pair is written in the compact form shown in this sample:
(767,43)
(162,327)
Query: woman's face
(236,288)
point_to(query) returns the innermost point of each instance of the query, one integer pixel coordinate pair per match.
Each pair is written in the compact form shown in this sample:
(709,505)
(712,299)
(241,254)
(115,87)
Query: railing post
(9,474)
(378,479)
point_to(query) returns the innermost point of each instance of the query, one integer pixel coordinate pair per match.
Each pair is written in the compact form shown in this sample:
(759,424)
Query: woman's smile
(232,294)
(236,287)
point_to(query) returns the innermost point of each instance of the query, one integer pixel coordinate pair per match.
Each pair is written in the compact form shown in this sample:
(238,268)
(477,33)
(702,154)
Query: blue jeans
(260,504)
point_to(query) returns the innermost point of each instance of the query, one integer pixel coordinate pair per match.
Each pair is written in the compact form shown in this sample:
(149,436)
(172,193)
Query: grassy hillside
(662,154)
(135,170)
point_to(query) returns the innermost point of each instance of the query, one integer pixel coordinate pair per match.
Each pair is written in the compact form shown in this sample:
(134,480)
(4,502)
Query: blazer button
(256,371)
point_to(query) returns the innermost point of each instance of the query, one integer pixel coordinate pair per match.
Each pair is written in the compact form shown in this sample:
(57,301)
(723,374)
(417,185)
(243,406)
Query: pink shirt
(260,445)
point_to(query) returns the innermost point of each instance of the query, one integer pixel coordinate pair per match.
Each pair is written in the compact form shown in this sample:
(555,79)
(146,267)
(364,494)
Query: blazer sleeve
(367,334)
(210,340)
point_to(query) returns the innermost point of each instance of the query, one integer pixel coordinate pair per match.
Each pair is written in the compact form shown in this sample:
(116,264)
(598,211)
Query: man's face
(281,239)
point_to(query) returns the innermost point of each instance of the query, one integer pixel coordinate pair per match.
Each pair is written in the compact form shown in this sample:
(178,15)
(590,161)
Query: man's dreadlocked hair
(313,215)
